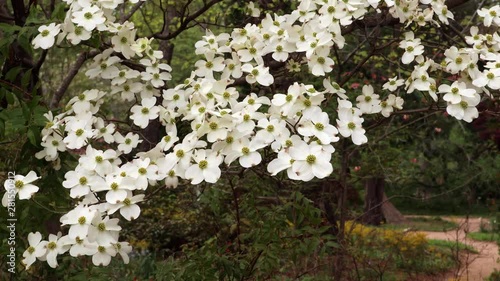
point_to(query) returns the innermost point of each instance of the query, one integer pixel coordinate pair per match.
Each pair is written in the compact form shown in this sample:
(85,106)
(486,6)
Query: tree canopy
(116,101)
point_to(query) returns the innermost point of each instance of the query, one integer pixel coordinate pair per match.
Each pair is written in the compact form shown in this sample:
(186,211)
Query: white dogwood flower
(54,247)
(412,47)
(20,185)
(141,114)
(206,167)
(46,38)
(89,17)
(35,250)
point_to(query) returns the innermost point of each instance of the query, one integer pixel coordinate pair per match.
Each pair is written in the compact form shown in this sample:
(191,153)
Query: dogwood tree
(238,113)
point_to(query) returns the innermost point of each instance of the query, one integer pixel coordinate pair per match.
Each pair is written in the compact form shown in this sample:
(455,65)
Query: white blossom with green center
(129,209)
(104,231)
(103,254)
(142,170)
(206,167)
(98,160)
(20,185)
(466,109)
(349,124)
(246,152)
(368,102)
(46,38)
(89,17)
(142,114)
(212,64)
(54,246)
(455,92)
(36,249)
(317,123)
(309,161)
(79,220)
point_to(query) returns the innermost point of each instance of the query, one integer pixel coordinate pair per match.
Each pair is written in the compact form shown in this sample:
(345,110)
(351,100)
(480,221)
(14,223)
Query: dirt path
(475,267)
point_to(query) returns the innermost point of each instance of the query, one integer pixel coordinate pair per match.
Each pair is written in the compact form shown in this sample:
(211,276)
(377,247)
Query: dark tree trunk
(374,197)
(390,213)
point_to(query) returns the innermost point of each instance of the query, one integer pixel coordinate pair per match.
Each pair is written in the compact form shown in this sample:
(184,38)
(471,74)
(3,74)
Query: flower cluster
(229,126)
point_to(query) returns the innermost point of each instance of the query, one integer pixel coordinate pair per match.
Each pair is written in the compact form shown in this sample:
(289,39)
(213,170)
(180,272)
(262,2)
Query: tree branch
(71,74)
(19,12)
(185,22)
(132,11)
(38,65)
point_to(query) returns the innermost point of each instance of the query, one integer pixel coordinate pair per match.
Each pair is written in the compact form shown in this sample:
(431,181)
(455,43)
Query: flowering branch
(277,122)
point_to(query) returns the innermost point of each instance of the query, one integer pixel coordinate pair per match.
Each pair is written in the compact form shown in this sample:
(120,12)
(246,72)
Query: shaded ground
(474,267)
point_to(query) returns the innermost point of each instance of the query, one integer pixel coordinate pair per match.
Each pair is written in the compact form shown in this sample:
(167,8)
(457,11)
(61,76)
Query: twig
(253,263)
(473,16)
(14,86)
(185,22)
(356,69)
(42,206)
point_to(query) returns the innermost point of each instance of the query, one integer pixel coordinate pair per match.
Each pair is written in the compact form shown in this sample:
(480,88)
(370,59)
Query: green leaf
(12,73)
(332,244)
(26,79)
(9,28)
(24,39)
(26,111)
(95,41)
(33,103)
(35,18)
(59,12)
(5,43)
(32,135)
(11,98)
(15,119)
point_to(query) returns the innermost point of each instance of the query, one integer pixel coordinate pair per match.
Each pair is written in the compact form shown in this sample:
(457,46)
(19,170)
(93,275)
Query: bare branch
(38,65)
(186,21)
(132,11)
(20,14)
(71,74)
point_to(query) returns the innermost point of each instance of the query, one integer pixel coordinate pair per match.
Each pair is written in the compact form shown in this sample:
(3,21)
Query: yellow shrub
(360,234)
(139,244)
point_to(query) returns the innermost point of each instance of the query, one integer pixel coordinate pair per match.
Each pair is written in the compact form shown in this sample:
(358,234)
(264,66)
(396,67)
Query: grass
(445,244)
(424,224)
(484,236)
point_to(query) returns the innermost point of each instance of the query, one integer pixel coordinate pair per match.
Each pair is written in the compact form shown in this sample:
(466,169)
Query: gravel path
(475,267)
